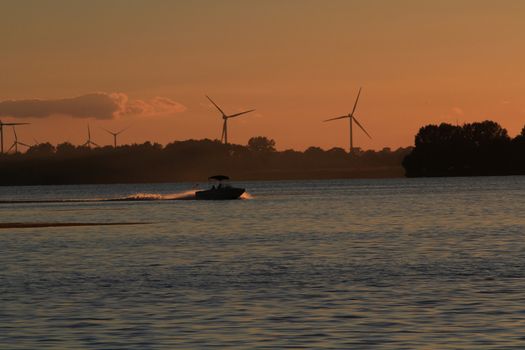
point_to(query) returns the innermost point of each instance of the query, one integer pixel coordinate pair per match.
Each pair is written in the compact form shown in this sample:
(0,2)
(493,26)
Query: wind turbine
(351,117)
(2,124)
(88,143)
(16,143)
(115,134)
(225,118)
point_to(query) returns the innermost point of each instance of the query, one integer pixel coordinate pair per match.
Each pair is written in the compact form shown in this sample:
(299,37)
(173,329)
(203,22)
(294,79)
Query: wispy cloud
(458,111)
(453,115)
(95,105)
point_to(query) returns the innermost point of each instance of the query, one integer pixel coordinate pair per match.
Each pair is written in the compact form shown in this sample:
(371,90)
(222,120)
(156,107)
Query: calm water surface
(403,263)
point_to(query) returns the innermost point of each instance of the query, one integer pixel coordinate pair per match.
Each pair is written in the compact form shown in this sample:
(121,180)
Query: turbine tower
(225,118)
(351,117)
(115,134)
(16,143)
(88,143)
(2,133)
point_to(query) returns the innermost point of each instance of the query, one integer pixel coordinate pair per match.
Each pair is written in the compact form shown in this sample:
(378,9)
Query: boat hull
(220,193)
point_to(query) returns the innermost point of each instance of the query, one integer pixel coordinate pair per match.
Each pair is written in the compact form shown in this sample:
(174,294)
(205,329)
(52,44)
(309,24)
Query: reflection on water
(428,263)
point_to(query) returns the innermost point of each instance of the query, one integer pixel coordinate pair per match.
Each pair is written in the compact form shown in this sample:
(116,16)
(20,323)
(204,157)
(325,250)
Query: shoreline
(268,175)
(65,224)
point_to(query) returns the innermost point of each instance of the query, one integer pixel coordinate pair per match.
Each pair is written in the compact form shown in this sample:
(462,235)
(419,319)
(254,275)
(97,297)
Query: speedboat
(221,191)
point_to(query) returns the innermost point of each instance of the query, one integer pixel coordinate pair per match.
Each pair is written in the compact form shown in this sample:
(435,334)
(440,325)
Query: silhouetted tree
(481,148)
(314,151)
(66,148)
(42,149)
(337,152)
(190,160)
(261,144)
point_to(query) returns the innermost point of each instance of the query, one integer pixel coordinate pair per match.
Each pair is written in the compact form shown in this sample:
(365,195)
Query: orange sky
(297,62)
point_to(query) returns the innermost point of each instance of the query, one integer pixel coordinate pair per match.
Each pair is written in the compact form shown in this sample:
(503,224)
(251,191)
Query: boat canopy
(219,177)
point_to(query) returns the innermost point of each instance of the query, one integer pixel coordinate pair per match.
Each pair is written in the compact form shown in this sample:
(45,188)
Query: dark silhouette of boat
(222,191)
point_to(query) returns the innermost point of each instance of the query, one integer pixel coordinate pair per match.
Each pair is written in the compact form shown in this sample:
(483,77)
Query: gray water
(343,264)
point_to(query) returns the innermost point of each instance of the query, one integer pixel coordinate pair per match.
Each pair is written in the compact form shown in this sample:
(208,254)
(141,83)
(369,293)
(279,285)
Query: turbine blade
(219,108)
(238,114)
(223,130)
(93,143)
(10,148)
(121,131)
(15,123)
(357,99)
(359,124)
(24,144)
(106,130)
(14,132)
(342,117)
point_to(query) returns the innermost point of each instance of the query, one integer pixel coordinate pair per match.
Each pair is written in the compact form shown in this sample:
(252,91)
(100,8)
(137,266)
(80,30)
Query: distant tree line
(475,149)
(191,160)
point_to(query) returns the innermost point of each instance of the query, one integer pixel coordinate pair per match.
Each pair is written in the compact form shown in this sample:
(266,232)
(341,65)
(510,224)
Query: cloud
(452,115)
(458,111)
(94,105)
(155,106)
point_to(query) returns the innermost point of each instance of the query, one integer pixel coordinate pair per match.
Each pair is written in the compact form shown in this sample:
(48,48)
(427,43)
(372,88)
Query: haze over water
(428,263)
